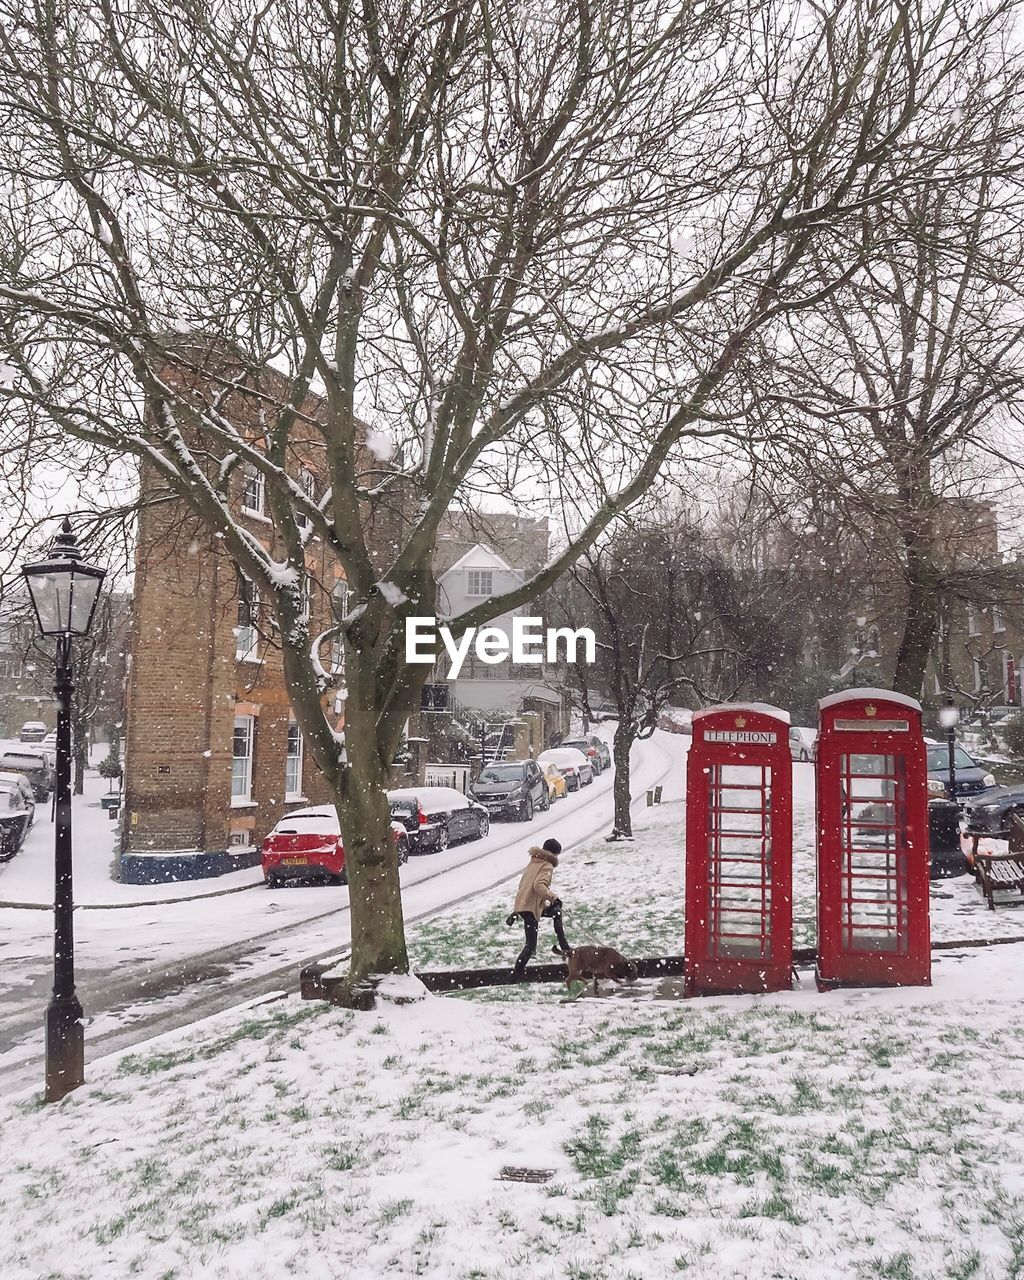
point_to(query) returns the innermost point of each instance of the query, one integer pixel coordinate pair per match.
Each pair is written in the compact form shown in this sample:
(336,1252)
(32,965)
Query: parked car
(990,812)
(593,748)
(573,765)
(306,844)
(17,811)
(971,778)
(557,790)
(32,731)
(801,743)
(435,817)
(513,788)
(36,766)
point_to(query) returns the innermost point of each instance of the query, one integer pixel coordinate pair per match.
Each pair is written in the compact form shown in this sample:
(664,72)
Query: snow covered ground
(148,928)
(851,1134)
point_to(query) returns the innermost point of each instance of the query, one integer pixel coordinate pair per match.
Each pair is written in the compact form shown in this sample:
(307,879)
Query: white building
(501,687)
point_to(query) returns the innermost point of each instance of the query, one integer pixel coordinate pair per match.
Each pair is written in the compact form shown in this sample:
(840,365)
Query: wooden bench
(1002,870)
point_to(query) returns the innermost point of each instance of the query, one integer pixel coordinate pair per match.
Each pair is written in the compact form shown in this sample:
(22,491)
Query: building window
(307,482)
(293,763)
(10,668)
(241,761)
(973,621)
(480,582)
(247,633)
(980,675)
(339,606)
(254,493)
(998,621)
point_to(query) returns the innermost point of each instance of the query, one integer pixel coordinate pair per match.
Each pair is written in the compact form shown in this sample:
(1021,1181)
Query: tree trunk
(922,616)
(80,756)
(621,746)
(371,855)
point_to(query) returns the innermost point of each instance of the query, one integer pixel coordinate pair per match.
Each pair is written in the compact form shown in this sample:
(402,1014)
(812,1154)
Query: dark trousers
(530,926)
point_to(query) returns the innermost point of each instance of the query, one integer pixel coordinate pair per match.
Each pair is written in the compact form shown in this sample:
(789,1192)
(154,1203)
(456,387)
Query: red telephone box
(872,774)
(739,852)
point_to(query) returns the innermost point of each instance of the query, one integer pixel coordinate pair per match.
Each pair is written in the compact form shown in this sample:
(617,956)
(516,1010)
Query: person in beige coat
(535,899)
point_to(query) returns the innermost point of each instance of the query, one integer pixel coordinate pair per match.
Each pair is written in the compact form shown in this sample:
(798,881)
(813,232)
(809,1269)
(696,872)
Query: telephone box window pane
(873,871)
(739,861)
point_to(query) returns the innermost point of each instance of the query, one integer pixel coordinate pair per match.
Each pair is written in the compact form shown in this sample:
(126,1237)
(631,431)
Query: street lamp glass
(64,589)
(949,716)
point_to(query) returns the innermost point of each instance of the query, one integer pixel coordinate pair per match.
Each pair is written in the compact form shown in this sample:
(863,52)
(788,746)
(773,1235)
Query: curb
(127,906)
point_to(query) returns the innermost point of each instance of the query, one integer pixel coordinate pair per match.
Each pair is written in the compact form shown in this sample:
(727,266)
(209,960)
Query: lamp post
(949,717)
(64,591)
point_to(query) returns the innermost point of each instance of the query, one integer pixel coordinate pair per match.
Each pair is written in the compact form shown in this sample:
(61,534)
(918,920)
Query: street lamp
(949,717)
(64,591)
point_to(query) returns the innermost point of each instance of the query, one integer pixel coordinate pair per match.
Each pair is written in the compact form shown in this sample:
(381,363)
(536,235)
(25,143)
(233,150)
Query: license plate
(294,862)
(493,808)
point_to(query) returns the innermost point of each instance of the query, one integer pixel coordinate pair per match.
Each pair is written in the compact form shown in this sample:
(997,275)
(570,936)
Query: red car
(306,844)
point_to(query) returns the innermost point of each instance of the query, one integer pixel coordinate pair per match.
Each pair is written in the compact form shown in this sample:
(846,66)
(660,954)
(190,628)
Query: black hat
(552,846)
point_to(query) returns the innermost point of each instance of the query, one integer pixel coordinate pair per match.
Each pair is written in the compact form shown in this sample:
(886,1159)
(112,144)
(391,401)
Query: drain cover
(512,1173)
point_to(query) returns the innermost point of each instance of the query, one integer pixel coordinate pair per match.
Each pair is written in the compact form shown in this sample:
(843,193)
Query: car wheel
(483,827)
(573,784)
(545,803)
(272,882)
(443,839)
(403,850)
(526,812)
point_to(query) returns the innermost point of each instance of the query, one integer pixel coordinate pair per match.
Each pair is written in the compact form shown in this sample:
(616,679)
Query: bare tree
(484,247)
(899,381)
(648,593)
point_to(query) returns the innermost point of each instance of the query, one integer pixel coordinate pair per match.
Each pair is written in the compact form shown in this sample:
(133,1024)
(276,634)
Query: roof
(858,695)
(478,557)
(756,708)
(521,541)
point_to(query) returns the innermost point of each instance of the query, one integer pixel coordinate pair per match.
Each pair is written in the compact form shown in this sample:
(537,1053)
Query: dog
(597,962)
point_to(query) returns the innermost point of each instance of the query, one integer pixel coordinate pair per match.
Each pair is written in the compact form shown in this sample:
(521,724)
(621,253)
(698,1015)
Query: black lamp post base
(65,1047)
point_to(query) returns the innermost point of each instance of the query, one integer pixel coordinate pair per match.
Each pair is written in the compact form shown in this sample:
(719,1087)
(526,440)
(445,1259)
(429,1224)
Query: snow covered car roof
(18,779)
(34,759)
(432,799)
(563,756)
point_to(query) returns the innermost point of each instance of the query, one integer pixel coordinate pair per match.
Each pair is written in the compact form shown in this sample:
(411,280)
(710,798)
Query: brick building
(26,685)
(213,755)
(978,648)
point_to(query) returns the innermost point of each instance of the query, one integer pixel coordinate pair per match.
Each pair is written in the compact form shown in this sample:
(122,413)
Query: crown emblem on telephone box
(870,709)
(740,721)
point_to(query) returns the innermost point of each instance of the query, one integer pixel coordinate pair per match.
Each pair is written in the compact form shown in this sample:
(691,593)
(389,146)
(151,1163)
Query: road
(156,968)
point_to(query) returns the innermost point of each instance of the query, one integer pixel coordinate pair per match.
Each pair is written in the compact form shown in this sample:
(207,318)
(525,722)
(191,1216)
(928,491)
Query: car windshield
(577,745)
(319,823)
(502,773)
(938,759)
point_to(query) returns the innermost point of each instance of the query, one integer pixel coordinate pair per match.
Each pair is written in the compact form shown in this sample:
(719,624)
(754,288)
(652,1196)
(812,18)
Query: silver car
(17,811)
